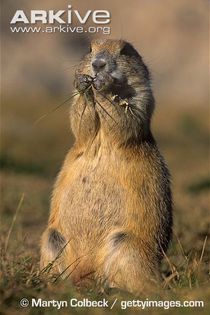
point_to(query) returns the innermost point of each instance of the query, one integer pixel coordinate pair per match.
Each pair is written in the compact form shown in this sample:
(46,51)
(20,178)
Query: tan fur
(111,201)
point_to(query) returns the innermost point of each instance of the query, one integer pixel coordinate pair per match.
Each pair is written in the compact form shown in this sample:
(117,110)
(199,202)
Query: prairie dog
(111,208)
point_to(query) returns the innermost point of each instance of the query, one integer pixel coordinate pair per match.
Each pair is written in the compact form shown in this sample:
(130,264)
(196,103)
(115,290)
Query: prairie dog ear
(92,45)
(130,51)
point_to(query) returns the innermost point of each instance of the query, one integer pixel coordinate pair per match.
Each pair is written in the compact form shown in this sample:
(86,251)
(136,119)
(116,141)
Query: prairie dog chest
(94,194)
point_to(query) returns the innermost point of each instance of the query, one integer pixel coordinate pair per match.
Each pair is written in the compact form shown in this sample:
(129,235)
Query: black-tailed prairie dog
(111,210)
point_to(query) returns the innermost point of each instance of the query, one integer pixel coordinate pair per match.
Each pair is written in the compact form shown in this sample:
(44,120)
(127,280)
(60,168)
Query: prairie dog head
(114,64)
(114,70)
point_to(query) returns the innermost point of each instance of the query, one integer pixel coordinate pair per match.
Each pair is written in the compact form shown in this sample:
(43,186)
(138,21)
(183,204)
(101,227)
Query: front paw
(82,82)
(102,81)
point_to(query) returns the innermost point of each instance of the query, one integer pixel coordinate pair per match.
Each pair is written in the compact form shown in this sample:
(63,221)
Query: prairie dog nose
(98,64)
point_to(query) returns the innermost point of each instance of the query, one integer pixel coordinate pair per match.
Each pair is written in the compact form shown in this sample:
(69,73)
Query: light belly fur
(92,205)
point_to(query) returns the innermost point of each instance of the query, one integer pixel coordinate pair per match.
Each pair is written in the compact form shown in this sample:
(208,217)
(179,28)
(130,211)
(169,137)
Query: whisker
(106,98)
(139,111)
(54,109)
(83,111)
(110,101)
(105,118)
(85,106)
(105,110)
(131,111)
(141,88)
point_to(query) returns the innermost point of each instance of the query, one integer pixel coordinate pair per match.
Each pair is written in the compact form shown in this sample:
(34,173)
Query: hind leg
(56,253)
(52,250)
(126,264)
(57,256)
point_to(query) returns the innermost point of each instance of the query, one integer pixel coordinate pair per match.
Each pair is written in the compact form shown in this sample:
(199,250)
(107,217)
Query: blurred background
(37,75)
(172,37)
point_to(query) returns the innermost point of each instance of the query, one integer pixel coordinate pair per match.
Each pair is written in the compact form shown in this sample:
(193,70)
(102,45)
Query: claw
(82,82)
(124,103)
(115,98)
(121,102)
